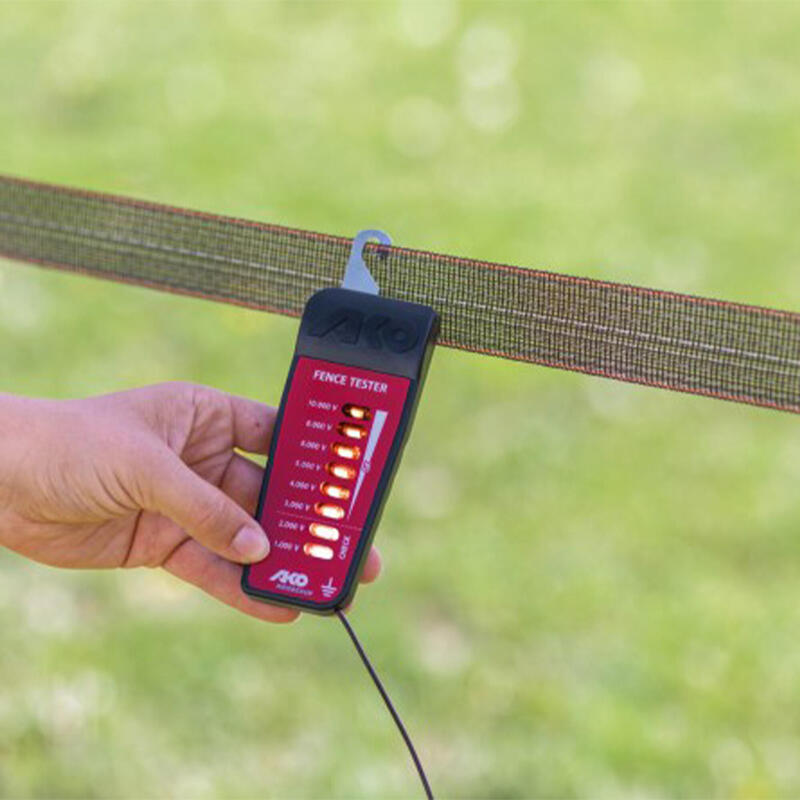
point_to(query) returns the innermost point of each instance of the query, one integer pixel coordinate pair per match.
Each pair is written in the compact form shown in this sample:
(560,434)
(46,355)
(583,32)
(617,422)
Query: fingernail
(251,543)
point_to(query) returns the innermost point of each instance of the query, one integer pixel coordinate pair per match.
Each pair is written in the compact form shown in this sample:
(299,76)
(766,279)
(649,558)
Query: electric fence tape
(732,351)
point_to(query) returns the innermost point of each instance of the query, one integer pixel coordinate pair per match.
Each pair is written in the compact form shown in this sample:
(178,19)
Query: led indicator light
(355,412)
(349,451)
(332,490)
(351,431)
(318,551)
(329,510)
(343,471)
(324,531)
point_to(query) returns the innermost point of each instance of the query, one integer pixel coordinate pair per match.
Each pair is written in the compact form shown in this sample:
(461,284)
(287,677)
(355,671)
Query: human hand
(147,477)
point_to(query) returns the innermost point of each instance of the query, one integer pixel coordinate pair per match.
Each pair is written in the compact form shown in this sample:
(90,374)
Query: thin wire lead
(389,705)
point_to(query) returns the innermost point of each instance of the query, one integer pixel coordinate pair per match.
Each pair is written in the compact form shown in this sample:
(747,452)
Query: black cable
(395,716)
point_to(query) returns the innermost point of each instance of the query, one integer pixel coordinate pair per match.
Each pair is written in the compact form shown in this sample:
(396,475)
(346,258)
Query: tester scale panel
(338,426)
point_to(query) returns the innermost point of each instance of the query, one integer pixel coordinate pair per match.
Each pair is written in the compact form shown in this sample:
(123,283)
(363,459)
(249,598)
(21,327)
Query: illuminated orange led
(343,471)
(318,551)
(349,451)
(352,431)
(329,510)
(355,412)
(332,490)
(324,531)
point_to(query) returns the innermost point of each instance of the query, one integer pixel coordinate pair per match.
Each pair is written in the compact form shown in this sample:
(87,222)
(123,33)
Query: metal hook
(357,275)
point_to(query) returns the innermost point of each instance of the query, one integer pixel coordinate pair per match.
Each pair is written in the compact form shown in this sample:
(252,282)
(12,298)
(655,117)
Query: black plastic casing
(372,332)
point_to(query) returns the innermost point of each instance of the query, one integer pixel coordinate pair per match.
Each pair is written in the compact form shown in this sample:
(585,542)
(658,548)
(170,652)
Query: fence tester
(346,411)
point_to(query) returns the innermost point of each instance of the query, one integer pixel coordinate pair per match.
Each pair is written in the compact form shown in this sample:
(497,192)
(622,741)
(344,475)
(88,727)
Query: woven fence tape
(732,351)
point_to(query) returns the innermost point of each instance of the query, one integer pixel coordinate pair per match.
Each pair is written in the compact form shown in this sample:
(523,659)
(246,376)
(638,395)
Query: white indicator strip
(372,443)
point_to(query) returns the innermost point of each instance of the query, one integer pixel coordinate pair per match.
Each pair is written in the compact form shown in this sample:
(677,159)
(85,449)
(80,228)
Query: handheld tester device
(346,410)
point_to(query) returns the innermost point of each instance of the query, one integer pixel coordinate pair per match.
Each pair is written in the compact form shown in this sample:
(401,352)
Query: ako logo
(297,579)
(350,326)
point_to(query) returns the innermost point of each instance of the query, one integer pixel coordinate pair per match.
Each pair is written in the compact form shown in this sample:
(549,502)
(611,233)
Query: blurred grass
(591,589)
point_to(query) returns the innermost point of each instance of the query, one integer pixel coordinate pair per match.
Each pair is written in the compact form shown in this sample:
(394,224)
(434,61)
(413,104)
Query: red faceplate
(306,465)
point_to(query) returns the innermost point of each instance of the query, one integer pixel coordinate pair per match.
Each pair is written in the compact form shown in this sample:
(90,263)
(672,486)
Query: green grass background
(591,589)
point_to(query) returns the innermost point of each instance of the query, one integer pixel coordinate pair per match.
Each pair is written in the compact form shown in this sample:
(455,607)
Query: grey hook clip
(357,275)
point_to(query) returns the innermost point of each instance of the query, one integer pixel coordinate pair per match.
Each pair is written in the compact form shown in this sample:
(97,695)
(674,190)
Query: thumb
(205,512)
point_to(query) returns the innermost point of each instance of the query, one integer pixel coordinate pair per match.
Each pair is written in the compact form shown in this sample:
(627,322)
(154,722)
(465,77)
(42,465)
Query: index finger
(193,563)
(253,423)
